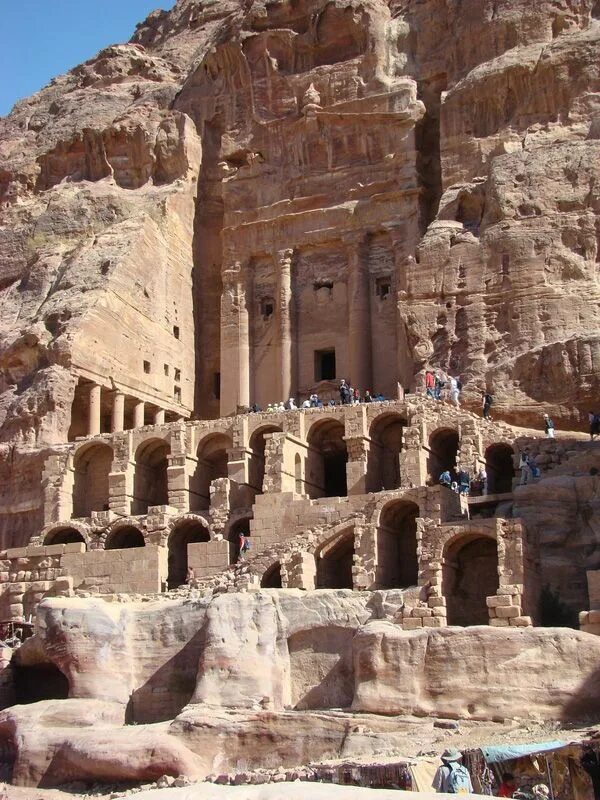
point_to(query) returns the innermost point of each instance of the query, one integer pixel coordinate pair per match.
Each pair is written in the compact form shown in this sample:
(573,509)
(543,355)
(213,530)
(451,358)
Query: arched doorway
(233,537)
(257,461)
(397,560)
(124,538)
(443,453)
(383,467)
(91,468)
(272,577)
(184,533)
(212,464)
(64,536)
(150,487)
(470,575)
(500,468)
(334,563)
(327,459)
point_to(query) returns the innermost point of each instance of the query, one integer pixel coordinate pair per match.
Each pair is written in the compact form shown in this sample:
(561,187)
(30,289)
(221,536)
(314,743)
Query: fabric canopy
(508,752)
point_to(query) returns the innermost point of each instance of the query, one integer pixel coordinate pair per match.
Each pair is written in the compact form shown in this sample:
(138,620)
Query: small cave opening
(39,682)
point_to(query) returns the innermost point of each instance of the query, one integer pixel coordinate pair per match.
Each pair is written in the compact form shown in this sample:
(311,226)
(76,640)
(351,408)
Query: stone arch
(443,453)
(257,459)
(65,534)
(92,464)
(271,578)
(383,465)
(124,537)
(499,465)
(397,545)
(469,576)
(186,530)
(334,560)
(213,456)
(150,486)
(327,459)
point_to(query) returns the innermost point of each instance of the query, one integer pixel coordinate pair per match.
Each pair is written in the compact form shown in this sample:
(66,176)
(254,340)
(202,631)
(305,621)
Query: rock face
(332,155)
(255,679)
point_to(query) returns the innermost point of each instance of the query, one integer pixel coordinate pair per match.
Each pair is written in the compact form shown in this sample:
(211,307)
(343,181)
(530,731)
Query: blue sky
(44,38)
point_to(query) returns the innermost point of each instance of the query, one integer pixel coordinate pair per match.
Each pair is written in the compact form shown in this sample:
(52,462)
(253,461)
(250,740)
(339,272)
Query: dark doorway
(443,453)
(150,484)
(185,533)
(500,468)
(272,577)
(212,464)
(124,538)
(91,468)
(383,468)
(334,565)
(397,561)
(470,576)
(43,682)
(325,368)
(64,536)
(327,459)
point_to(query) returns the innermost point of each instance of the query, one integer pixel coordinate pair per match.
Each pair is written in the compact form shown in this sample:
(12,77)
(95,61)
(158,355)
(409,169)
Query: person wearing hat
(452,777)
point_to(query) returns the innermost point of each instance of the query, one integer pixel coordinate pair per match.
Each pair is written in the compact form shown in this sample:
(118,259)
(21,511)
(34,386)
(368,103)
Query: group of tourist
(348,396)
(461,483)
(443,387)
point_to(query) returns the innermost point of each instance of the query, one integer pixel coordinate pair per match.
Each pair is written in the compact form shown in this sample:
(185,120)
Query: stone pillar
(159,416)
(235,341)
(359,316)
(94,409)
(118,412)
(285,320)
(138,414)
(356,468)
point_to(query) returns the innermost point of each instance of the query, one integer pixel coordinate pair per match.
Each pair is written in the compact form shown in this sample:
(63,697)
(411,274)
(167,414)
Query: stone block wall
(139,570)
(208,558)
(589,621)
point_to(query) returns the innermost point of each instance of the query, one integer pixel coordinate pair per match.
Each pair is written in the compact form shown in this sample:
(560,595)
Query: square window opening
(147,367)
(383,287)
(325,365)
(177,374)
(167,370)
(267,307)
(177,393)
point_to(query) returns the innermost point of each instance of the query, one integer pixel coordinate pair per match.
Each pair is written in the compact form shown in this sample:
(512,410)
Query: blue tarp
(494,755)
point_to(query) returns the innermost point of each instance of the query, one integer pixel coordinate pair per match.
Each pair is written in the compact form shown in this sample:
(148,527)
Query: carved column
(359,315)
(94,409)
(235,341)
(139,414)
(118,413)
(286,322)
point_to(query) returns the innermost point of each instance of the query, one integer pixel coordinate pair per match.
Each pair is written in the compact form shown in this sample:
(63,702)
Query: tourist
(242,543)
(314,401)
(367,398)
(344,393)
(292,405)
(281,406)
(482,478)
(430,384)
(454,392)
(548,427)
(306,404)
(540,791)
(487,399)
(508,786)
(439,385)
(356,397)
(190,576)
(452,777)
(446,479)
(525,468)
(594,424)
(464,481)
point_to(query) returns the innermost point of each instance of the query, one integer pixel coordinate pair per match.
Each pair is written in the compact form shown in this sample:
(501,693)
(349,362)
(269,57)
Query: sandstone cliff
(460,139)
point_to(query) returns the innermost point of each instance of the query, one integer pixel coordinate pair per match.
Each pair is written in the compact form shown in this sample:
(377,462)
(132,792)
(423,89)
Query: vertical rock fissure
(427,140)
